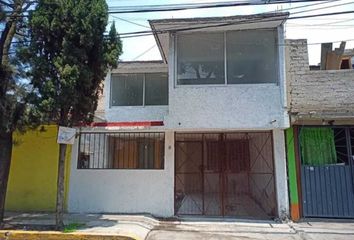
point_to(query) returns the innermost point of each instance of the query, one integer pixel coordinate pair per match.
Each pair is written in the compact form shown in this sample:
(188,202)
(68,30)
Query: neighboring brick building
(317,94)
(320,144)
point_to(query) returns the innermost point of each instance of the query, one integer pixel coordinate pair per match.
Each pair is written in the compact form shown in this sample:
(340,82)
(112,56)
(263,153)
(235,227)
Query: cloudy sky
(315,30)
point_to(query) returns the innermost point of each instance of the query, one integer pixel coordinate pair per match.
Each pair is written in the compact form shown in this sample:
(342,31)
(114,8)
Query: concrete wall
(239,106)
(152,191)
(32,183)
(124,191)
(225,107)
(317,94)
(281,179)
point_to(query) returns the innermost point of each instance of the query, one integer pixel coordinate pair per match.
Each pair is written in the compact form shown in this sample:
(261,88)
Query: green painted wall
(290,147)
(33,172)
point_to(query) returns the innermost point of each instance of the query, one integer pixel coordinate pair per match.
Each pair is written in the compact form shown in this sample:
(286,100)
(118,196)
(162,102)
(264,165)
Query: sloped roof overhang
(162,28)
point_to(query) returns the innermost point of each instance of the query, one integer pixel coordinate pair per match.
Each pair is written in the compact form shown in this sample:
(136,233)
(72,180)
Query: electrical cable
(255,20)
(143,32)
(142,54)
(139,9)
(125,20)
(179,7)
(285,9)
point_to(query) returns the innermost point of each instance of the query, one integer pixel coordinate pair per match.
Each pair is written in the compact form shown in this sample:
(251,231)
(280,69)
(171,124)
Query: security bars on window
(102,150)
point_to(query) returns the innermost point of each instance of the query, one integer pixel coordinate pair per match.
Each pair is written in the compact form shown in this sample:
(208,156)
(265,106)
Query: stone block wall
(317,94)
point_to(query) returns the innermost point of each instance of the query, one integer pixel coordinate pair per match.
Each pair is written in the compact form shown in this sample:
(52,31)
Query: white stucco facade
(219,108)
(281,179)
(228,106)
(123,191)
(225,107)
(233,106)
(150,191)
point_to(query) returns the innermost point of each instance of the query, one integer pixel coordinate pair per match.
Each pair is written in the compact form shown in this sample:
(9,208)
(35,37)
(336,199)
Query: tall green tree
(15,110)
(69,56)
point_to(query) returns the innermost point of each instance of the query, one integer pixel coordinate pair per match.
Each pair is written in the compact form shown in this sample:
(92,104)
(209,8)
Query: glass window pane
(251,56)
(136,151)
(127,90)
(156,89)
(200,58)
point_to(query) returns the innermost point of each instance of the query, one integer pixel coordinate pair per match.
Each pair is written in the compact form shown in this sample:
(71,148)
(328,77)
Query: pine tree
(69,56)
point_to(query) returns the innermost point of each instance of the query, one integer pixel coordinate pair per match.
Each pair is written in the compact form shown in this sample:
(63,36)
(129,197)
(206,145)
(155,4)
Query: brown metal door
(225,174)
(213,178)
(235,176)
(189,178)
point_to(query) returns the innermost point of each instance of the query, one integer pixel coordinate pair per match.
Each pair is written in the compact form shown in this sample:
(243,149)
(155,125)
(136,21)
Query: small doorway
(225,174)
(327,171)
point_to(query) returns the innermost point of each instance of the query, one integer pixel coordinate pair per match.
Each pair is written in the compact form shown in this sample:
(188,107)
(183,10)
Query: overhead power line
(314,43)
(285,9)
(131,22)
(260,19)
(321,8)
(179,7)
(326,23)
(346,40)
(145,33)
(142,54)
(186,4)
(176,7)
(145,52)
(247,21)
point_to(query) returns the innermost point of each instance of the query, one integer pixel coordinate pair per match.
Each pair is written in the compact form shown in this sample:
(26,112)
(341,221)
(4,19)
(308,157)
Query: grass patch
(72,227)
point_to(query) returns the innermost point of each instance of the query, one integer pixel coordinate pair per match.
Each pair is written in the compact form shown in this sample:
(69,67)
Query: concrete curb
(53,235)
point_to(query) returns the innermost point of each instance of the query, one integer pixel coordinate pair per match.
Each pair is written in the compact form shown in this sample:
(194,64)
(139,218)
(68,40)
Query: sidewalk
(244,229)
(105,226)
(325,229)
(91,226)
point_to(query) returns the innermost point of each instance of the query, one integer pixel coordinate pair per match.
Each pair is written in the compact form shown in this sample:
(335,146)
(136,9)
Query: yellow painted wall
(33,172)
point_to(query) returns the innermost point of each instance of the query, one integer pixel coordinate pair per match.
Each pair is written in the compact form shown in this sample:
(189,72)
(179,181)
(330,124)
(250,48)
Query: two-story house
(199,133)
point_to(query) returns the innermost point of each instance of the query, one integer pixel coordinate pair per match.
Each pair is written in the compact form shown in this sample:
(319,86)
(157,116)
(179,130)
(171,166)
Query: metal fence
(121,150)
(225,174)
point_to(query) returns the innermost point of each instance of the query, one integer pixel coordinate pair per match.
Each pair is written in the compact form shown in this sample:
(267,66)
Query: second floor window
(200,59)
(232,57)
(140,89)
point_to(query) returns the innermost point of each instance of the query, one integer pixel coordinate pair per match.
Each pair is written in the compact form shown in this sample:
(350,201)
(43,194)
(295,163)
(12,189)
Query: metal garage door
(225,174)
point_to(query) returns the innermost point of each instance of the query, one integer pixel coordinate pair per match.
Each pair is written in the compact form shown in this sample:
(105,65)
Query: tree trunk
(5,161)
(59,221)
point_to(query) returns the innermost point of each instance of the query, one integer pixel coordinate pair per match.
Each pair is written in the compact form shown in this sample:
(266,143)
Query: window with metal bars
(326,145)
(121,150)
